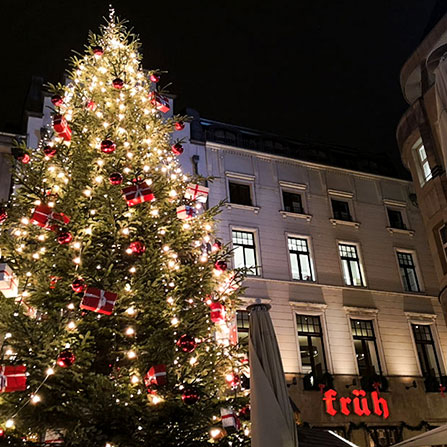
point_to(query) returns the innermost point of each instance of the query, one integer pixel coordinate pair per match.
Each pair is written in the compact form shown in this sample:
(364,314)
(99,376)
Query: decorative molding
(246,301)
(335,192)
(300,186)
(286,214)
(398,203)
(392,230)
(360,311)
(240,176)
(420,317)
(255,209)
(349,223)
(308,306)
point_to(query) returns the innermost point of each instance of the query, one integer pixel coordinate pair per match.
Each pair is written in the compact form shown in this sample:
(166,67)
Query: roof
(438,436)
(315,437)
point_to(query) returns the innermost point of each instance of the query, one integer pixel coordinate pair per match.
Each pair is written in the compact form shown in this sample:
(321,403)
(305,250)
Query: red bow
(322,387)
(376,386)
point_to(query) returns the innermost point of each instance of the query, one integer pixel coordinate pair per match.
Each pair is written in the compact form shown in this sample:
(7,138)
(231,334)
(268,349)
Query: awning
(315,437)
(437,436)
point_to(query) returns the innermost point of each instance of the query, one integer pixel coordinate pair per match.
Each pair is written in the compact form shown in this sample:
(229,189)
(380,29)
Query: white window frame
(314,310)
(396,205)
(362,263)
(443,245)
(311,254)
(413,253)
(242,179)
(343,196)
(423,179)
(370,314)
(255,232)
(295,188)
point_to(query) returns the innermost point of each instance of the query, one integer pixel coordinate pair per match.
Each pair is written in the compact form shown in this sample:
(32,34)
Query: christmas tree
(117,308)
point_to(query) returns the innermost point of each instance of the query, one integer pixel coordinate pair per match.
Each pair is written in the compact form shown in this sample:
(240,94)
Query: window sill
(400,231)
(255,209)
(286,214)
(349,223)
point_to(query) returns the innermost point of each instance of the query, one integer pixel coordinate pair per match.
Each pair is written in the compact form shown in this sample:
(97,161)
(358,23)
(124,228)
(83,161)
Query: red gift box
(98,300)
(45,217)
(12,378)
(217,313)
(139,193)
(61,127)
(156,376)
(159,101)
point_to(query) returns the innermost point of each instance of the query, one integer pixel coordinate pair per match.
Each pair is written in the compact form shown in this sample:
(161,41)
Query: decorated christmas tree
(117,311)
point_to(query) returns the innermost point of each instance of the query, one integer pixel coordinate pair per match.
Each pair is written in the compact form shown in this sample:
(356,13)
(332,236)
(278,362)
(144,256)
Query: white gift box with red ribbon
(229,419)
(9,284)
(197,192)
(54,437)
(186,212)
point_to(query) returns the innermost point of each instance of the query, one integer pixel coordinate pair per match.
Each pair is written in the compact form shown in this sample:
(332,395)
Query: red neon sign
(359,404)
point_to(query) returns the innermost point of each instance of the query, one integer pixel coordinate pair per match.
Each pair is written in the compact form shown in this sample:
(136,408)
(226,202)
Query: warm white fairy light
(9,423)
(70,306)
(35,399)
(77,260)
(154,212)
(134,379)
(8,335)
(24,220)
(41,237)
(174,321)
(49,371)
(130,331)
(131,311)
(71,325)
(131,354)
(125,231)
(87,192)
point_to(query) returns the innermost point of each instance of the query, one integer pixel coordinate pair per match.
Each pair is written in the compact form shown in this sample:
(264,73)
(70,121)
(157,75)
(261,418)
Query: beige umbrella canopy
(272,419)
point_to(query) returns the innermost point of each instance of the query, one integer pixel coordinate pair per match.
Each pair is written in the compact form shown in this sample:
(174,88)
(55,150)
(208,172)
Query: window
(428,358)
(240,193)
(293,202)
(245,251)
(300,260)
(340,210)
(310,339)
(424,169)
(352,272)
(443,236)
(396,219)
(365,345)
(243,325)
(408,271)
(384,436)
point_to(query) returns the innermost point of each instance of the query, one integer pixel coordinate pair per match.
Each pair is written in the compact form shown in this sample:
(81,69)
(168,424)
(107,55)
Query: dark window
(292,202)
(384,436)
(408,272)
(243,325)
(300,261)
(443,236)
(244,252)
(395,218)
(428,358)
(240,193)
(366,347)
(350,261)
(310,338)
(340,210)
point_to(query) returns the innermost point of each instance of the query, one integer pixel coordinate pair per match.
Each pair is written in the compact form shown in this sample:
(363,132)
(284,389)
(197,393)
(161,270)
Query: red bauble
(116,178)
(118,83)
(49,151)
(221,266)
(78,285)
(2,434)
(57,100)
(137,247)
(108,146)
(190,396)
(137,180)
(66,358)
(3,215)
(186,343)
(179,125)
(217,245)
(98,51)
(154,77)
(64,237)
(24,158)
(177,149)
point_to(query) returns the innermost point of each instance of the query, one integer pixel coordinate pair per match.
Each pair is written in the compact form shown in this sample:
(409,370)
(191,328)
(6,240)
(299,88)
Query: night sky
(321,70)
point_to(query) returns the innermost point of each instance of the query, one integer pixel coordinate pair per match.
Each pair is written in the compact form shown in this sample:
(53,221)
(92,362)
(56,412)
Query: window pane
(305,268)
(422,153)
(373,356)
(355,272)
(346,273)
(250,259)
(238,254)
(305,351)
(292,202)
(340,210)
(395,218)
(443,233)
(427,170)
(240,193)
(432,360)
(294,266)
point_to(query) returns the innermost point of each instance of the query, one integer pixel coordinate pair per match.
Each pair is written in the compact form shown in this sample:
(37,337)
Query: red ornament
(137,247)
(217,312)
(53,281)
(179,125)
(108,146)
(118,83)
(154,77)
(177,149)
(116,178)
(138,193)
(61,127)
(57,100)
(2,434)
(13,378)
(221,266)
(66,358)
(78,285)
(137,180)
(98,51)
(244,412)
(156,376)
(190,396)
(64,237)
(186,343)
(217,245)
(3,215)
(91,105)
(233,380)
(49,151)
(24,158)
(98,300)
(160,102)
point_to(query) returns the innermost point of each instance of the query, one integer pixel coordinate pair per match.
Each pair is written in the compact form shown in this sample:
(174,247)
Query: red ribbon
(442,388)
(376,386)
(322,387)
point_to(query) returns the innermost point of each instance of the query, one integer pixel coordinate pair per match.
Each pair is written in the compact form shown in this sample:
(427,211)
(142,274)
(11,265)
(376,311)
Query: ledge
(349,223)
(255,209)
(392,230)
(286,214)
(355,310)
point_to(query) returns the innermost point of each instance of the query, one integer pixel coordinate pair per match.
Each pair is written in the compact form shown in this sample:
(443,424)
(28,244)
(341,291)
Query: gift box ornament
(222,334)
(45,217)
(217,313)
(160,102)
(186,212)
(138,193)
(156,376)
(12,378)
(230,421)
(197,192)
(62,128)
(232,335)
(9,284)
(54,437)
(98,301)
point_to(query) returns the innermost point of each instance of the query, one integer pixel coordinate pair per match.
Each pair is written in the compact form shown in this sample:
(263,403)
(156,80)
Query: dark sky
(322,70)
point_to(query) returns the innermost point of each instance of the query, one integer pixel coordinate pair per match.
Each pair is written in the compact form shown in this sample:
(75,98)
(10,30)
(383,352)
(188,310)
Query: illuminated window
(350,261)
(384,436)
(243,325)
(443,237)
(244,253)
(408,271)
(300,260)
(365,345)
(424,169)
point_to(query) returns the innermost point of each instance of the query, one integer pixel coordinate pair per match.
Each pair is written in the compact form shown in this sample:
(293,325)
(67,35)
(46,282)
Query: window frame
(395,205)
(361,264)
(241,179)
(298,189)
(442,244)
(256,242)
(423,179)
(311,256)
(418,272)
(342,196)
